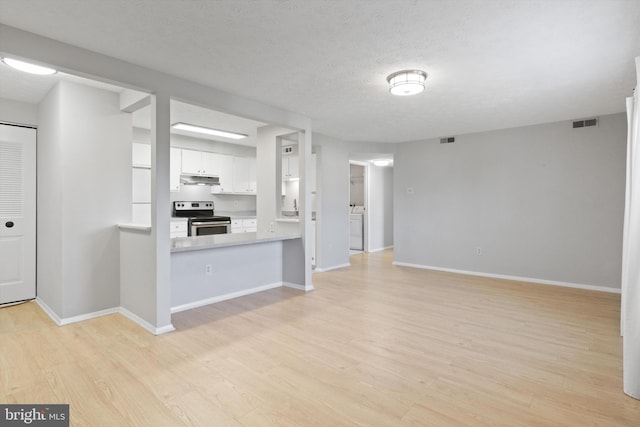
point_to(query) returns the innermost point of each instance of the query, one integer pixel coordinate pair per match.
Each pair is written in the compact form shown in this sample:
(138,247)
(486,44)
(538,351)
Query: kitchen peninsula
(209,269)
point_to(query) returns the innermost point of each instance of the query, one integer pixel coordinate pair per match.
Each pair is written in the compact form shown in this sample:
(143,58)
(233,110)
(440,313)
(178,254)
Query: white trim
(514,278)
(298,287)
(335,267)
(381,249)
(224,297)
(87,316)
(144,324)
(126,313)
(49,311)
(74,319)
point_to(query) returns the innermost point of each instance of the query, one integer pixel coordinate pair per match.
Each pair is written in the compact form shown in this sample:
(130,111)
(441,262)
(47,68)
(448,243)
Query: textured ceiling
(491,64)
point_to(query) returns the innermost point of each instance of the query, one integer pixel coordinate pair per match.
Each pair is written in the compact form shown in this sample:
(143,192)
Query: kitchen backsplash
(227,203)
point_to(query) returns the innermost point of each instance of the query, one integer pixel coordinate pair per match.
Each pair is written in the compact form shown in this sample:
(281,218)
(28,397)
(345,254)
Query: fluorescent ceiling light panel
(208,131)
(382,162)
(28,67)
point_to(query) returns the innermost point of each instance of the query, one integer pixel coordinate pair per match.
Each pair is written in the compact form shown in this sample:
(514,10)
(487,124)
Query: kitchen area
(221,247)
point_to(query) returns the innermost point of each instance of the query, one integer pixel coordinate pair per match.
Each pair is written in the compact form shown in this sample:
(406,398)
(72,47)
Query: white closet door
(17,213)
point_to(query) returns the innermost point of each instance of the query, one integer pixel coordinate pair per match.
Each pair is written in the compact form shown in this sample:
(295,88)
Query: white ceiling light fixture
(208,131)
(406,82)
(28,67)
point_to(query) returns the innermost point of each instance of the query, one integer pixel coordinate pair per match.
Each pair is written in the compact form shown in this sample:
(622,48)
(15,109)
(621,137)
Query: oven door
(207,228)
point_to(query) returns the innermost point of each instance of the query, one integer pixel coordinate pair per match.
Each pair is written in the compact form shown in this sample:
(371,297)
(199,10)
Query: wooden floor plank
(374,344)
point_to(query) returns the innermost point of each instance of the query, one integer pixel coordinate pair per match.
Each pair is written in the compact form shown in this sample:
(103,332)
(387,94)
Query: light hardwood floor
(373,345)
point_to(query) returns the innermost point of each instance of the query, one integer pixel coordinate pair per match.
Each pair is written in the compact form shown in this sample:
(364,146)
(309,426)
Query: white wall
(356,182)
(380,207)
(543,202)
(84,189)
(49,199)
(20,113)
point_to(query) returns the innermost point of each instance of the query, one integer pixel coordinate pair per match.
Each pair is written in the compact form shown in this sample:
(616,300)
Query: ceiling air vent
(448,140)
(585,123)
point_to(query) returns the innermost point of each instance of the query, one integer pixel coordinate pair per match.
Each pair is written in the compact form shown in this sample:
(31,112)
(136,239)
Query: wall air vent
(585,123)
(448,140)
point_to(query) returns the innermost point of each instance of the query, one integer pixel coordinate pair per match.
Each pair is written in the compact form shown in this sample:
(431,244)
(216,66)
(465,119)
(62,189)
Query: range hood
(199,180)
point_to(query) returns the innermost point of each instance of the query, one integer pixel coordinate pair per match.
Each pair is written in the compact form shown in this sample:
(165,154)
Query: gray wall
(333,195)
(16,112)
(84,189)
(543,202)
(49,200)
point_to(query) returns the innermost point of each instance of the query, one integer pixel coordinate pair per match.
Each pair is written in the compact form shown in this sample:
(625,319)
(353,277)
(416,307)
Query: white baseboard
(144,324)
(298,287)
(73,319)
(43,305)
(381,249)
(224,297)
(514,278)
(126,313)
(334,267)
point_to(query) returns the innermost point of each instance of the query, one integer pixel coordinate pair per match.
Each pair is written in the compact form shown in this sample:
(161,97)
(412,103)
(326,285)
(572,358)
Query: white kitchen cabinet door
(290,167)
(210,164)
(141,213)
(253,176)
(140,155)
(178,228)
(141,185)
(249,225)
(236,226)
(241,175)
(223,167)
(191,162)
(175,166)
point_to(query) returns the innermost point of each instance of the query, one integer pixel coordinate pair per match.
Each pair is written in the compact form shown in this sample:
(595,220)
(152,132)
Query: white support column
(304,158)
(160,201)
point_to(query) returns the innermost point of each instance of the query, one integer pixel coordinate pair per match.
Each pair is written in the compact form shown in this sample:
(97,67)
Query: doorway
(358,191)
(17,213)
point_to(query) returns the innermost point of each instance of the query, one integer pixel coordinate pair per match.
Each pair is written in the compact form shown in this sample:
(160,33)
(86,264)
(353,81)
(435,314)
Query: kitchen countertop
(185,244)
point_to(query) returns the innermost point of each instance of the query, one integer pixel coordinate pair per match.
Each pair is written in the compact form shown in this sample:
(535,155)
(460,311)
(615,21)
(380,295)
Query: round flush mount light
(28,67)
(406,82)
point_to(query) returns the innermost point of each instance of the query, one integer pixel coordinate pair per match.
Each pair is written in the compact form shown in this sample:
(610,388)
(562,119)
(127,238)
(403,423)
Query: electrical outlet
(208,269)
(478,251)
(410,190)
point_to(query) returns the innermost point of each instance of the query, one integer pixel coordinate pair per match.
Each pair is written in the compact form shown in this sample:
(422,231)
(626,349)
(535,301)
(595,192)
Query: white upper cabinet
(244,175)
(175,165)
(289,167)
(191,162)
(140,155)
(210,164)
(223,167)
(141,185)
(237,174)
(199,162)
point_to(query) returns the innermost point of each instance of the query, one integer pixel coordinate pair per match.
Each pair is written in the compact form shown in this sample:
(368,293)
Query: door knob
(9,224)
